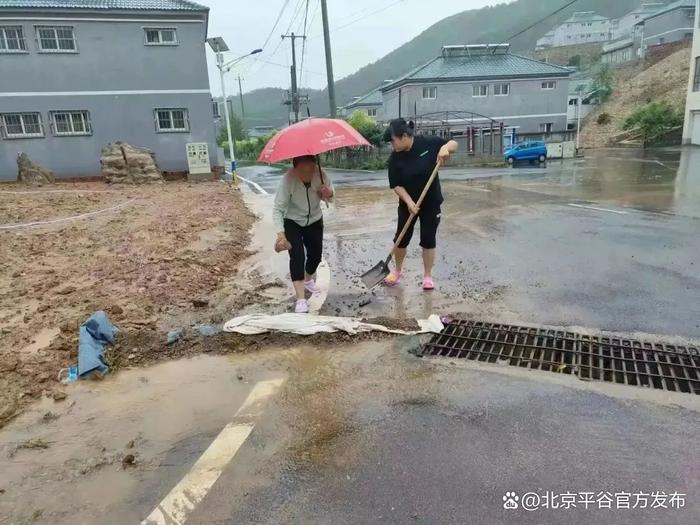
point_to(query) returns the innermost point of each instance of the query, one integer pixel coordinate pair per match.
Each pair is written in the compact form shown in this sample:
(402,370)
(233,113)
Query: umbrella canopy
(311,137)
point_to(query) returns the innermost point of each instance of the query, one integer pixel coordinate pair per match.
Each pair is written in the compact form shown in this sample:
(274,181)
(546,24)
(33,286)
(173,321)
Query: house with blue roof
(488,82)
(76,75)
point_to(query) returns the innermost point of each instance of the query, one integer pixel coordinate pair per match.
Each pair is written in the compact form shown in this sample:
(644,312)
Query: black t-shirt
(411,169)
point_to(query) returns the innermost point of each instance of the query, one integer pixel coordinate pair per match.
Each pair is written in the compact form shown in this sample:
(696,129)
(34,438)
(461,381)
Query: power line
(356,13)
(300,4)
(376,11)
(286,66)
(279,17)
(568,4)
(303,44)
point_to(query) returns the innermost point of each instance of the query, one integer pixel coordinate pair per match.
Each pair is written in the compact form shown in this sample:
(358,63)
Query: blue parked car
(536,150)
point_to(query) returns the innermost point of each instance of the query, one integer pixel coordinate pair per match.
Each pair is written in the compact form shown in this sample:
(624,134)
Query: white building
(584,27)
(691,129)
(624,26)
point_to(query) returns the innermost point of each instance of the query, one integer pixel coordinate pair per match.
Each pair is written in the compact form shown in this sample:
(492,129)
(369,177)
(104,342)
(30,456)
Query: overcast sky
(367,36)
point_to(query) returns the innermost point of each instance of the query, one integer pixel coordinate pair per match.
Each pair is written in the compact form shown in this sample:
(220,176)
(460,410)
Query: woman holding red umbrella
(298,217)
(297,210)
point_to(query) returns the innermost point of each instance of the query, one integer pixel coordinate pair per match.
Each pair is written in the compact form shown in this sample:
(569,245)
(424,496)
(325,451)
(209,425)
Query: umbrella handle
(320,173)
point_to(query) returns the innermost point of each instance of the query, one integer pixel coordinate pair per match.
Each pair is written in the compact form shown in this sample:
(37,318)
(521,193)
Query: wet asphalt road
(417,441)
(606,242)
(368,433)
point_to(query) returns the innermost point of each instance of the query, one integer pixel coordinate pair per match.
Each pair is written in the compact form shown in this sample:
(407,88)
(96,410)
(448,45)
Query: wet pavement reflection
(607,241)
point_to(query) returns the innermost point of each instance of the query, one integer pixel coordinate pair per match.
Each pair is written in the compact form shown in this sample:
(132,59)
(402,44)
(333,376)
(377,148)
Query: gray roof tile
(155,5)
(481,66)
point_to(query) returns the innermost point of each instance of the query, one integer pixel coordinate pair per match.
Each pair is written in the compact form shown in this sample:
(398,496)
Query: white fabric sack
(304,324)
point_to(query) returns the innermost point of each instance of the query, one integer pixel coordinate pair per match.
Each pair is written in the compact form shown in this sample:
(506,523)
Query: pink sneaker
(302,307)
(393,278)
(428,284)
(312,287)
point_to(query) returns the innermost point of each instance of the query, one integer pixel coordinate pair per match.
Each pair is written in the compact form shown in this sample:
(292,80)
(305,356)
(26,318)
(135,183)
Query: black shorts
(429,221)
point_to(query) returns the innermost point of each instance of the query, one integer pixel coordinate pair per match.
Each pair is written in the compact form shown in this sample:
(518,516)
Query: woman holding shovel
(410,167)
(299,220)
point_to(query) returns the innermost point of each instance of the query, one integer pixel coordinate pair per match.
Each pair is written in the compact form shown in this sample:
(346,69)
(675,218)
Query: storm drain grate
(591,358)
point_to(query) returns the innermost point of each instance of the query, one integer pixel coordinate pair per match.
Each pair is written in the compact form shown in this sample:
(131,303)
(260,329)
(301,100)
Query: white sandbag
(305,324)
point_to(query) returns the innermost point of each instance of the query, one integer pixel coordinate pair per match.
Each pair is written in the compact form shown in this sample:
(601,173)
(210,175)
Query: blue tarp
(95,333)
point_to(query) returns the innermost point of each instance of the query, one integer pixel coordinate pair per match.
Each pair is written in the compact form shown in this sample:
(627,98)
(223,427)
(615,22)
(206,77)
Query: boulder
(30,173)
(122,162)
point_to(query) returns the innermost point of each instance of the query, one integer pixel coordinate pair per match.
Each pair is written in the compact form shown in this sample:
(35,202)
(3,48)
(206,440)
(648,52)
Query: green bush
(654,120)
(367,127)
(603,83)
(603,119)
(249,149)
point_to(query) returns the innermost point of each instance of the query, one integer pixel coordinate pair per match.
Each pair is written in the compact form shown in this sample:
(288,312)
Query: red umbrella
(311,137)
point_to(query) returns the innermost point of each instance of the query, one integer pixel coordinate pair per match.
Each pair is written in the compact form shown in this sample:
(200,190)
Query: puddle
(142,412)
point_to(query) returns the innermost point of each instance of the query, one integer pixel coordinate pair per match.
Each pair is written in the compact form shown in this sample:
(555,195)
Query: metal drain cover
(615,360)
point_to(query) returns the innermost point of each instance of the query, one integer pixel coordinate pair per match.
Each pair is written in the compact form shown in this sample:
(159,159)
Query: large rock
(30,173)
(122,162)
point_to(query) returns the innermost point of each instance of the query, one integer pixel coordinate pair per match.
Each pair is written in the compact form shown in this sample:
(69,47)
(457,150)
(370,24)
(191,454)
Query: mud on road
(151,260)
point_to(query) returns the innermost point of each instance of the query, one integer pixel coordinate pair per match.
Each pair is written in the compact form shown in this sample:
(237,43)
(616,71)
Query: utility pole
(240,94)
(329,58)
(220,65)
(579,101)
(295,89)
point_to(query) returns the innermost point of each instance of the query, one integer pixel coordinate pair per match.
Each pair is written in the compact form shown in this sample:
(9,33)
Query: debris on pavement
(34,443)
(128,460)
(49,416)
(304,324)
(59,396)
(95,333)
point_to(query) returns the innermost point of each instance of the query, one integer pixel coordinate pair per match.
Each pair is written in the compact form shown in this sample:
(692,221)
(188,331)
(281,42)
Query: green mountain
(477,26)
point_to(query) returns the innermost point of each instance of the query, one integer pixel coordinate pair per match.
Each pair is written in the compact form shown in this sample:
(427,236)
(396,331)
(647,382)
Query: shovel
(381,271)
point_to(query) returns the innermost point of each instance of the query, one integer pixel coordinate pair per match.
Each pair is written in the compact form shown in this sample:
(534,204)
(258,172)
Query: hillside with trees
(486,25)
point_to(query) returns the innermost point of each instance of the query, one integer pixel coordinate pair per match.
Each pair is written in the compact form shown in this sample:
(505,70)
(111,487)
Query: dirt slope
(666,80)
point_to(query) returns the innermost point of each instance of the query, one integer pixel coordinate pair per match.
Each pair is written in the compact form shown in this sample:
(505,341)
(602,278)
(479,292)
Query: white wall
(691,129)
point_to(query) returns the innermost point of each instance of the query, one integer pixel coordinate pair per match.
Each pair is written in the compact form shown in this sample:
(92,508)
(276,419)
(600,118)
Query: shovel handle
(412,217)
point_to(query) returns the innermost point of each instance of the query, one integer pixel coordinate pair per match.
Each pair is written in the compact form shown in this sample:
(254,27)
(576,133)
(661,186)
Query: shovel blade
(376,275)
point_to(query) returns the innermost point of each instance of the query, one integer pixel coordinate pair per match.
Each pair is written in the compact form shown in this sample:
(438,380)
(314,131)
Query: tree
(653,120)
(237,131)
(603,83)
(367,127)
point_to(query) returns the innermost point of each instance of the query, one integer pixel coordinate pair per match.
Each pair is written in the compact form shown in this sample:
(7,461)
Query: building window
(696,80)
(501,90)
(429,93)
(160,36)
(12,40)
(480,90)
(372,112)
(662,40)
(56,39)
(21,125)
(546,127)
(71,123)
(215,109)
(172,120)
(550,84)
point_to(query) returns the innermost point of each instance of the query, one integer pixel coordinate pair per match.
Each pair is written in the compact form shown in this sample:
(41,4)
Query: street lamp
(218,45)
